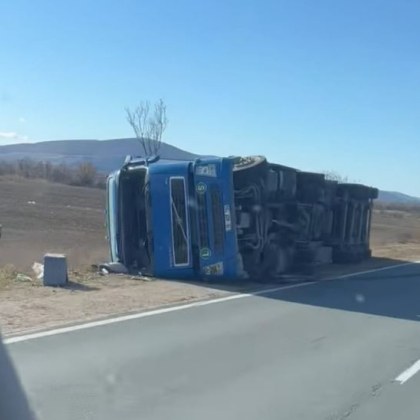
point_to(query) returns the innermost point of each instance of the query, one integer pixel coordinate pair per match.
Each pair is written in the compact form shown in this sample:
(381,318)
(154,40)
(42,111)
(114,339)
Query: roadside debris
(23,278)
(38,269)
(112,267)
(118,269)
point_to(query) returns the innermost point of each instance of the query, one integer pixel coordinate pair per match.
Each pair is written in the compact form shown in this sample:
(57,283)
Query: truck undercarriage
(291,220)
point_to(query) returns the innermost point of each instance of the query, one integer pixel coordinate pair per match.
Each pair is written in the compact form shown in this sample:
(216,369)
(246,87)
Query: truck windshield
(133,218)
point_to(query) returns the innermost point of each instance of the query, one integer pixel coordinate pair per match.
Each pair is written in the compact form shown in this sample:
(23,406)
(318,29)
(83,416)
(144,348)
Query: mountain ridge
(397,197)
(106,155)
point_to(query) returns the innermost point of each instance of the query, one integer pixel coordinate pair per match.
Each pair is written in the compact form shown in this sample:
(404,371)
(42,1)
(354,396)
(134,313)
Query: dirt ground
(28,307)
(40,217)
(396,234)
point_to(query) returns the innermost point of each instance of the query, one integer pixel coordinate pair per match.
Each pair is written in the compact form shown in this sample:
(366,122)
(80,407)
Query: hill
(397,197)
(106,155)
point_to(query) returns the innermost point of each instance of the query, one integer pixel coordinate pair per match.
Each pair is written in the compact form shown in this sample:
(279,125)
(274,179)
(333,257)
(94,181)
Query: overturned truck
(232,217)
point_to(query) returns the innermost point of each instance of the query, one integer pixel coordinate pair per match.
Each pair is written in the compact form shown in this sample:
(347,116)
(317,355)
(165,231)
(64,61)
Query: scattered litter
(23,277)
(38,269)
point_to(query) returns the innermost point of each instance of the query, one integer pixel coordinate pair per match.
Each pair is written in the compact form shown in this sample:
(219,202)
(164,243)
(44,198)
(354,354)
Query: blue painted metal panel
(214,190)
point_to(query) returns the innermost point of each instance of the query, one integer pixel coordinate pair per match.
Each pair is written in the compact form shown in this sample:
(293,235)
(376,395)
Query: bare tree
(148,126)
(86,174)
(335,176)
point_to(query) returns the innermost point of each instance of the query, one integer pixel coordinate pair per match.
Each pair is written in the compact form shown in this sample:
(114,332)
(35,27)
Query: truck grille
(217,216)
(203,223)
(180,240)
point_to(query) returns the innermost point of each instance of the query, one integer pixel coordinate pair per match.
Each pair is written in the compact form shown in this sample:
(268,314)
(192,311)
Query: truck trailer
(232,217)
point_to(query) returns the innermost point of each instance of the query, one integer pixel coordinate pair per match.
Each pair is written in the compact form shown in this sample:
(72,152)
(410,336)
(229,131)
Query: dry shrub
(8,274)
(85,174)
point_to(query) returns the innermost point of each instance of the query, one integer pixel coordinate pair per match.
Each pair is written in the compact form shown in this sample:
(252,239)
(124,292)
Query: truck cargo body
(232,218)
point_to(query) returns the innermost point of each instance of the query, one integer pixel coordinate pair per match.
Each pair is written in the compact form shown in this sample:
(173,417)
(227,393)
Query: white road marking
(145,314)
(160,311)
(408,373)
(374,270)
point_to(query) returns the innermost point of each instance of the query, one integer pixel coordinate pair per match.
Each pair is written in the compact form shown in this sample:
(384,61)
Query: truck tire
(248,170)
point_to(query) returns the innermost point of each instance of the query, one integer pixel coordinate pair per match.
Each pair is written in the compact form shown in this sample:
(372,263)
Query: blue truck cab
(173,219)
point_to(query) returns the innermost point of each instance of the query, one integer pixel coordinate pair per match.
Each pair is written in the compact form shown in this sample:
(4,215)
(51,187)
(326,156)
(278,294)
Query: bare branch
(335,176)
(148,129)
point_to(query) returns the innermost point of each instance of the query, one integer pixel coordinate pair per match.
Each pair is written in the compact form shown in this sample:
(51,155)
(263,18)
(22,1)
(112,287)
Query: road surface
(341,349)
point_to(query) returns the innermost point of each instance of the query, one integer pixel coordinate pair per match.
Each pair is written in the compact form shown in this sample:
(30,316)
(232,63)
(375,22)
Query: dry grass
(8,275)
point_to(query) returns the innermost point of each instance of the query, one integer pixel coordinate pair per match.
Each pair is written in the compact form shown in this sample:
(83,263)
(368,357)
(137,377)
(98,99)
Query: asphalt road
(330,350)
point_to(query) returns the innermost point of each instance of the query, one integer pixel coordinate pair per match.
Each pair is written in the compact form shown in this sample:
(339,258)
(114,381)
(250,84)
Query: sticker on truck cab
(201,188)
(206,170)
(205,253)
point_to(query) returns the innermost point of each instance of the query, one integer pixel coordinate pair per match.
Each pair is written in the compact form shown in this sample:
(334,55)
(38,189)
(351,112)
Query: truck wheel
(248,169)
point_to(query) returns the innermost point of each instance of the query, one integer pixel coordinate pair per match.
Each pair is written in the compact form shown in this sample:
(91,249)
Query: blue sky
(320,85)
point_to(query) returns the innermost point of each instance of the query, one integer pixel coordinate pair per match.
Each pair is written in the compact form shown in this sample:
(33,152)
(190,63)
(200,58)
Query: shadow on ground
(394,292)
(71,285)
